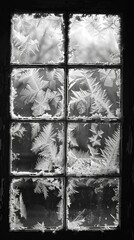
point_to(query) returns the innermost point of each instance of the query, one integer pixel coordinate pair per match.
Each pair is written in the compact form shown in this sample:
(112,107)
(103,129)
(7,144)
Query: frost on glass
(94,39)
(94,93)
(36,204)
(93,204)
(37,93)
(37,38)
(93,148)
(37,148)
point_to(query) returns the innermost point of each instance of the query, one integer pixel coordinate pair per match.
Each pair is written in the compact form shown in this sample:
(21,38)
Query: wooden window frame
(128,113)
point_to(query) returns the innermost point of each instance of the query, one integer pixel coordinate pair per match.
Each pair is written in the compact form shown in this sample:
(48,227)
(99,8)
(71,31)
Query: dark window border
(74,6)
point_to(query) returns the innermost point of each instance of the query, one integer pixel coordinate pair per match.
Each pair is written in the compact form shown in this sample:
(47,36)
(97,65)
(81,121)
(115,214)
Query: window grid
(66,67)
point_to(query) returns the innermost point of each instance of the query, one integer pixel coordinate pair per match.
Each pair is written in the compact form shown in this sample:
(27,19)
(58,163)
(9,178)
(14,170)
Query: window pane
(93,204)
(94,39)
(94,93)
(36,204)
(93,148)
(37,148)
(37,38)
(37,93)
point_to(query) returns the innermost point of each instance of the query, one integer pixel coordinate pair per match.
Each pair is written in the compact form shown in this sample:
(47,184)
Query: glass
(37,148)
(94,93)
(93,149)
(37,93)
(93,204)
(94,39)
(36,204)
(37,38)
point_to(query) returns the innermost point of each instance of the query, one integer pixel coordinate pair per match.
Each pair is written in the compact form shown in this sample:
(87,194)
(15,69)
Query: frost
(36,39)
(94,39)
(14,156)
(93,93)
(95,153)
(23,212)
(35,129)
(16,206)
(37,93)
(40,149)
(17,130)
(40,227)
(111,151)
(28,212)
(76,223)
(91,207)
(45,145)
(83,198)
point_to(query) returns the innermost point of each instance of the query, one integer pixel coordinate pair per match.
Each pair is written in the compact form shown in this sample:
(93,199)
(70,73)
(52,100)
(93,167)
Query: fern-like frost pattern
(37,93)
(37,39)
(94,94)
(36,204)
(37,148)
(93,149)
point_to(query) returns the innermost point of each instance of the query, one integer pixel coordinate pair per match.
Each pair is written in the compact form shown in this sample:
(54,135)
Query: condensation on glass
(65,130)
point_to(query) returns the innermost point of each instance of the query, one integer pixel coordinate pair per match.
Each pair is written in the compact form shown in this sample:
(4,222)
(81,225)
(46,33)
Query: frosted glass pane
(94,93)
(36,204)
(94,39)
(37,93)
(37,148)
(37,39)
(93,148)
(93,204)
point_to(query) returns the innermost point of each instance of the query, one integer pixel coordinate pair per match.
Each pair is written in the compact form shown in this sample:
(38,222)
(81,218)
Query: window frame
(127,148)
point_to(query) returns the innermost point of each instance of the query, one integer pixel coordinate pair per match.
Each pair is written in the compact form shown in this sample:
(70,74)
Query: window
(65,119)
(66,122)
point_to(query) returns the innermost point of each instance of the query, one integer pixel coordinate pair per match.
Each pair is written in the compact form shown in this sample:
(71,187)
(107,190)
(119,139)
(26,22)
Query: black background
(126,9)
